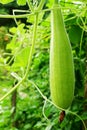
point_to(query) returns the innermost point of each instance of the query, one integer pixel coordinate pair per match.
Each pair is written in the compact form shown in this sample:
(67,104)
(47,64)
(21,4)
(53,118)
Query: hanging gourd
(61,62)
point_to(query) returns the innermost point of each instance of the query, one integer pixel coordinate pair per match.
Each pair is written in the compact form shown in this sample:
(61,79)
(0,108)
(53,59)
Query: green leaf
(5,1)
(83,116)
(49,127)
(21,59)
(71,19)
(21,2)
(75,33)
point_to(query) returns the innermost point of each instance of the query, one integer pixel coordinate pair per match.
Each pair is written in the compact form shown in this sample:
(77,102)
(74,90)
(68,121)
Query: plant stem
(30,5)
(66,110)
(23,15)
(14,105)
(41,5)
(15,16)
(32,47)
(29,60)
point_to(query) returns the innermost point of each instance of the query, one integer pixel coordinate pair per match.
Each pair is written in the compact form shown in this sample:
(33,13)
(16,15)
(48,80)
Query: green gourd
(61,62)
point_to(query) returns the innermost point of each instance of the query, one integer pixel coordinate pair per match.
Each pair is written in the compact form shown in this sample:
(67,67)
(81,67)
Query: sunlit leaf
(21,59)
(5,1)
(21,2)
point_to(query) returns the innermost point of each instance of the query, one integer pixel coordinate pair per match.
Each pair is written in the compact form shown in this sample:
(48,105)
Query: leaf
(20,28)
(83,116)
(49,127)
(5,1)
(75,33)
(21,2)
(21,59)
(71,19)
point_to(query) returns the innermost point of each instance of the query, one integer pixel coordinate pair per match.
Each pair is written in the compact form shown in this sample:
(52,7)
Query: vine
(35,13)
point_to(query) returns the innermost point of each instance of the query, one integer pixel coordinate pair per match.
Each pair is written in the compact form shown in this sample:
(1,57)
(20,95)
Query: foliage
(14,50)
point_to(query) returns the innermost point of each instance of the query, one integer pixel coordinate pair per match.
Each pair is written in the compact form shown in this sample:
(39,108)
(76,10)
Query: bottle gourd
(61,62)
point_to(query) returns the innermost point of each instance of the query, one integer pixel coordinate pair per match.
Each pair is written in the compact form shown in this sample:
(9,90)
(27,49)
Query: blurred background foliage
(24,108)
